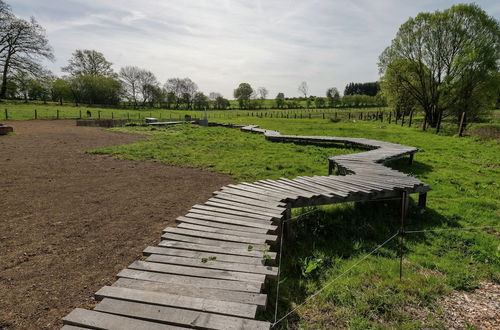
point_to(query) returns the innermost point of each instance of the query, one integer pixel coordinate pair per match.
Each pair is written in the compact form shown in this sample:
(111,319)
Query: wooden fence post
(411,117)
(403,120)
(390,117)
(36,114)
(99,114)
(57,114)
(80,112)
(462,125)
(438,127)
(6,114)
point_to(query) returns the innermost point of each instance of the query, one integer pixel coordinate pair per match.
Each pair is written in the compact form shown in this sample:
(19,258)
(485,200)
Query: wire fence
(401,233)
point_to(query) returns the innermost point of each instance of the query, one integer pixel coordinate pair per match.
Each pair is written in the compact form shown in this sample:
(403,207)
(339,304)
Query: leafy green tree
(399,97)
(243,94)
(92,89)
(60,90)
(221,103)
(451,59)
(280,100)
(333,96)
(200,101)
(319,102)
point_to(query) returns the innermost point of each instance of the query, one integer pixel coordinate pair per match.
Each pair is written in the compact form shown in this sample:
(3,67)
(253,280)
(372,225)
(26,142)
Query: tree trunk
(3,90)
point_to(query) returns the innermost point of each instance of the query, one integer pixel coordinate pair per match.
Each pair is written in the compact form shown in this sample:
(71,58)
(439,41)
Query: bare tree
(147,84)
(303,89)
(23,45)
(89,62)
(263,92)
(183,89)
(129,77)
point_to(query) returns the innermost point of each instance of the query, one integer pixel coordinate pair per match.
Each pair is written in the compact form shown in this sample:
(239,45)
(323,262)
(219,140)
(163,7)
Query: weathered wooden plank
(98,320)
(216,249)
(221,225)
(229,216)
(266,238)
(201,254)
(72,327)
(213,242)
(197,272)
(256,190)
(192,291)
(275,205)
(178,301)
(214,264)
(246,208)
(191,281)
(233,212)
(278,209)
(176,316)
(256,224)
(214,236)
(288,188)
(246,194)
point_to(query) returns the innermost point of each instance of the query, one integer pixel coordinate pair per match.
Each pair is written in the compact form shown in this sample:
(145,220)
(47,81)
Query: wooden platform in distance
(209,271)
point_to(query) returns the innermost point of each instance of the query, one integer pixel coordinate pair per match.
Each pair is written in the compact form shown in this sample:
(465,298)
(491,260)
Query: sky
(276,44)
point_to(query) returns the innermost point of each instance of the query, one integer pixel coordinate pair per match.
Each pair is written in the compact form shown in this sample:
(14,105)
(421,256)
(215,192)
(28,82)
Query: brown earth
(70,221)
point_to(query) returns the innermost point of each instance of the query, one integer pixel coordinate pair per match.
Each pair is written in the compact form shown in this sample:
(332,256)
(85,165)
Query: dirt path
(70,221)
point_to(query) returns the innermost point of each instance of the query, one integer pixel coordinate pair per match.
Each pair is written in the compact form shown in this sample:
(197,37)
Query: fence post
(80,111)
(462,126)
(411,117)
(99,114)
(57,114)
(390,117)
(6,114)
(438,127)
(36,114)
(403,120)
(404,210)
(112,115)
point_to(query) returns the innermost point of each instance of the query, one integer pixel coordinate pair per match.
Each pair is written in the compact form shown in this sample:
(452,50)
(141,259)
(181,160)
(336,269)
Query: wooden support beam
(422,200)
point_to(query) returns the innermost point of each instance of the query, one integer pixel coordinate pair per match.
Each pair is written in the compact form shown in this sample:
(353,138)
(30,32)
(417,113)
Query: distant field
(21,111)
(462,172)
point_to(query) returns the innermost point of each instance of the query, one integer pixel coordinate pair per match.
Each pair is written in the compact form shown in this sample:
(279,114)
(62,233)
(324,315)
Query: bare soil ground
(69,221)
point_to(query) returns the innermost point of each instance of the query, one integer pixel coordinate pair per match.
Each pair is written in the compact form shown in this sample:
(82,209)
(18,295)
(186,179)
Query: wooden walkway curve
(209,271)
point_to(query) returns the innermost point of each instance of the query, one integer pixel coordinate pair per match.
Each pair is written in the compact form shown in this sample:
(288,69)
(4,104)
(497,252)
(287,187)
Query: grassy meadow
(464,174)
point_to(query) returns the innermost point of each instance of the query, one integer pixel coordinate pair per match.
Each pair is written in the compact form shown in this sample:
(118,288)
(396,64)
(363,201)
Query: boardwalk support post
(404,211)
(422,200)
(331,166)
(411,159)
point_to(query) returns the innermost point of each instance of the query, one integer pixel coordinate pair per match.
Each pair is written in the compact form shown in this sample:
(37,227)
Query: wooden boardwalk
(210,270)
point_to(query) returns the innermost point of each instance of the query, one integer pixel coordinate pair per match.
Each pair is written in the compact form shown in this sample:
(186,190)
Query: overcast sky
(220,43)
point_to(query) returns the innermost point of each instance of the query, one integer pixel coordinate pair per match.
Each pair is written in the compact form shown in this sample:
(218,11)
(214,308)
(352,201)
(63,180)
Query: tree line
(443,63)
(90,79)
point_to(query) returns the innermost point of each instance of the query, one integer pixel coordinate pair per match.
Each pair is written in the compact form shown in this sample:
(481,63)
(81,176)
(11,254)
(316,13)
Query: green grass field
(463,173)
(23,111)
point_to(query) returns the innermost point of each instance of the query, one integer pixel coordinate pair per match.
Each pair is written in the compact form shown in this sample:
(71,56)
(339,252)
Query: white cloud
(220,43)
